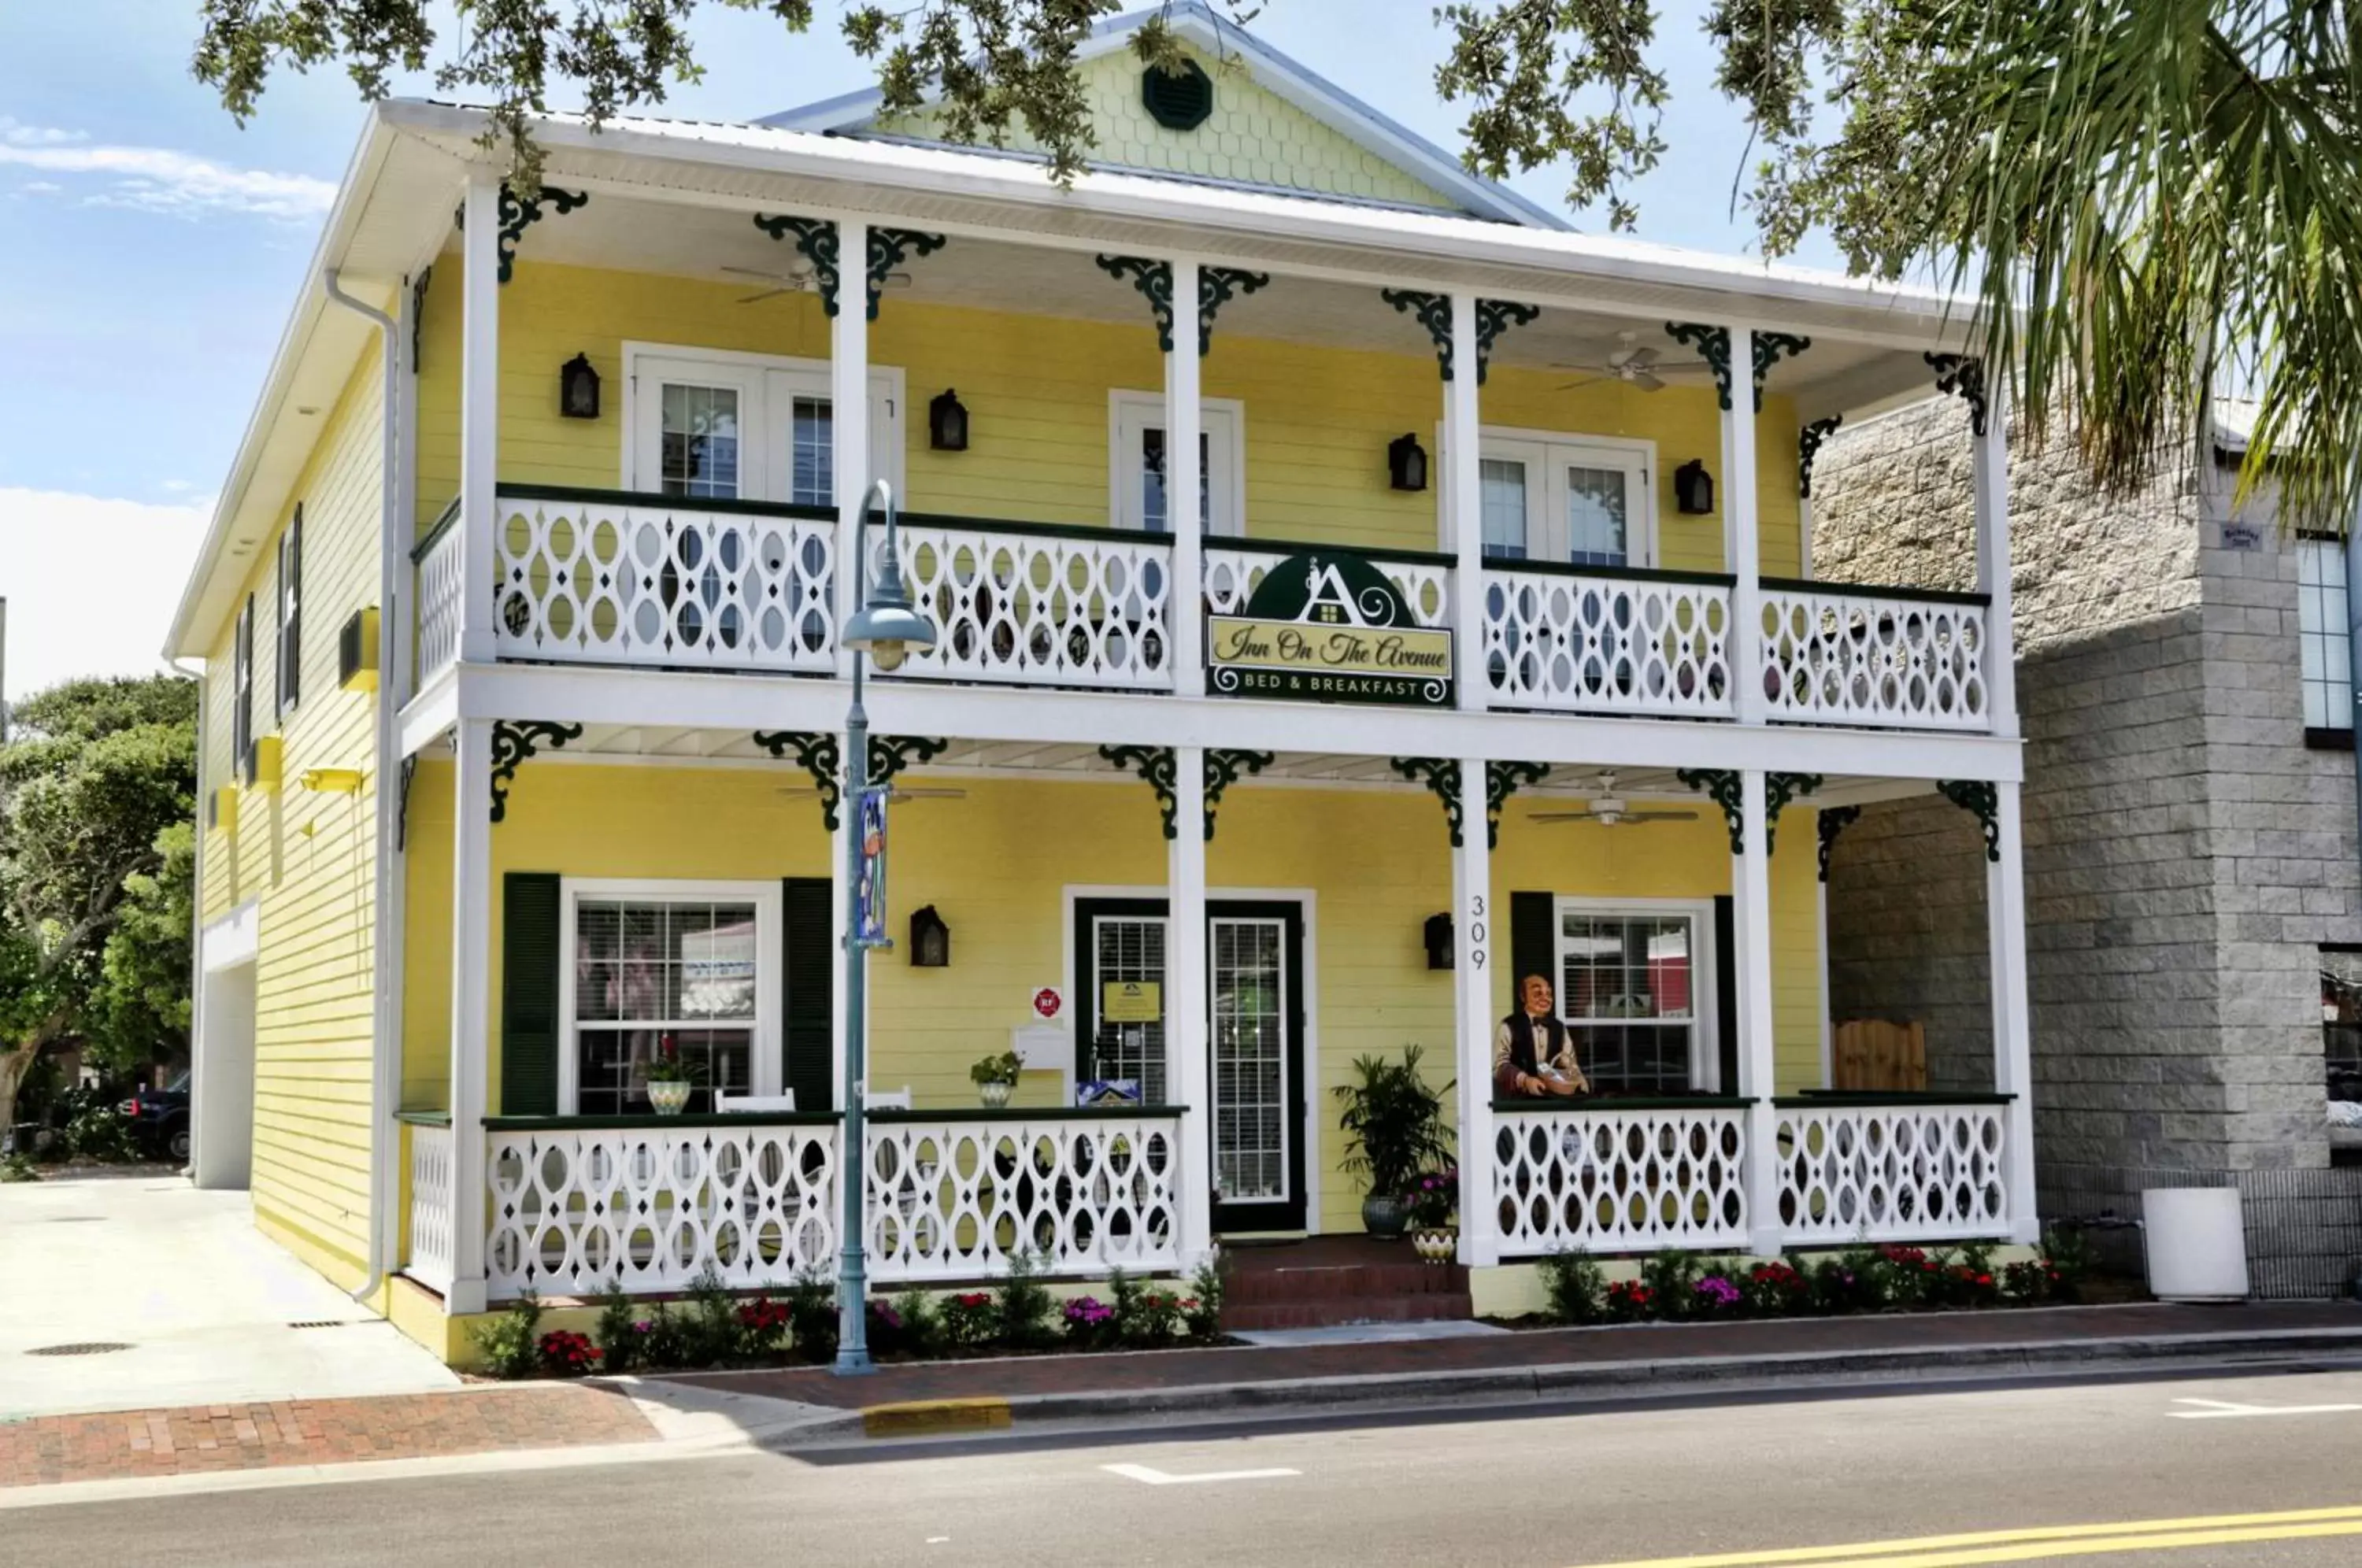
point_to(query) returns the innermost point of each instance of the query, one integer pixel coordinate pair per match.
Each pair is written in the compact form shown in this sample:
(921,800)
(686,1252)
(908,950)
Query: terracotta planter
(669,1099)
(1435,1243)
(995,1096)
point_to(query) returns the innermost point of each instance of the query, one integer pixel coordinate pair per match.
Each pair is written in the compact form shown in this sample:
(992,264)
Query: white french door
(704,424)
(1583,503)
(1137,464)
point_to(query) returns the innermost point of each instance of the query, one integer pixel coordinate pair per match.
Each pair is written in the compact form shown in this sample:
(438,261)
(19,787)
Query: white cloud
(41,188)
(161,180)
(91,582)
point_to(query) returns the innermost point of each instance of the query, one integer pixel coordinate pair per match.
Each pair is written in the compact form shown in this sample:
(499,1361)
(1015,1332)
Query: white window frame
(766,470)
(769,1022)
(1549,453)
(1130,414)
(1705,1054)
(2320,580)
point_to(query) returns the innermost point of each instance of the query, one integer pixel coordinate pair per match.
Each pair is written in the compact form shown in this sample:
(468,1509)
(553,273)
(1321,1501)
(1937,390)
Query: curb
(1556,1382)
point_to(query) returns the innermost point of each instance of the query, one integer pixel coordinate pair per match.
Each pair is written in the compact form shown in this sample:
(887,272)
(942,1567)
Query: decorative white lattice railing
(1851,1170)
(650,1206)
(952,1196)
(1634,1176)
(1866,656)
(436,560)
(1235,568)
(585,575)
(427,1257)
(1609,643)
(1032,604)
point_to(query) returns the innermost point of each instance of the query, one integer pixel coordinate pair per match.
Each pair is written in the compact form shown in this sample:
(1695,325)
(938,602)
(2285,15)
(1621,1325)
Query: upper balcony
(695,522)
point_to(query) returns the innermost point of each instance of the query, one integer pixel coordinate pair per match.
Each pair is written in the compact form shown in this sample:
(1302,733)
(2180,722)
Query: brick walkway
(1019,1377)
(207,1437)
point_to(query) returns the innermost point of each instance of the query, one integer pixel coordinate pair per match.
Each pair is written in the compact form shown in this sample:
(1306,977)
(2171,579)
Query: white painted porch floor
(205,1301)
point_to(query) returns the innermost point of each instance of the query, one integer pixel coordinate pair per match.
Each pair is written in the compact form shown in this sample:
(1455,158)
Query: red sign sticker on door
(1047,1002)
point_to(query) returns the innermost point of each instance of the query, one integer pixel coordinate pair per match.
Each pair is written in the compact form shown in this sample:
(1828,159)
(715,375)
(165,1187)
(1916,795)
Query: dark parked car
(159,1117)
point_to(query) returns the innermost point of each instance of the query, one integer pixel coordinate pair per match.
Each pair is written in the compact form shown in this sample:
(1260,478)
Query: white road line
(1148,1477)
(2223,1410)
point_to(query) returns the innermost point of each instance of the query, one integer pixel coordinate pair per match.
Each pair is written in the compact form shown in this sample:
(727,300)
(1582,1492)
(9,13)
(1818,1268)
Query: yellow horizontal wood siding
(309,857)
(1317,420)
(1376,862)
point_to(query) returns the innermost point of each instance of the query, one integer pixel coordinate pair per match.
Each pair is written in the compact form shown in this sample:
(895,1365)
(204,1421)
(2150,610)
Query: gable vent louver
(1179,100)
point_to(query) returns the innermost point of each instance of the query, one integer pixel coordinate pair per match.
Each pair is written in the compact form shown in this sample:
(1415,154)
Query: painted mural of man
(1533,1055)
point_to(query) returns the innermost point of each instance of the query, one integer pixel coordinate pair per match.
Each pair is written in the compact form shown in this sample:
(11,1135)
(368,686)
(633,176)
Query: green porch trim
(1615,573)
(1023,1113)
(593,495)
(649,1119)
(434,535)
(1875,590)
(1807,1100)
(1358,552)
(1604,1106)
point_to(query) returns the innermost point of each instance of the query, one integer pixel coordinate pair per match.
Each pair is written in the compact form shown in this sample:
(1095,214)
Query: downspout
(385,1050)
(202,675)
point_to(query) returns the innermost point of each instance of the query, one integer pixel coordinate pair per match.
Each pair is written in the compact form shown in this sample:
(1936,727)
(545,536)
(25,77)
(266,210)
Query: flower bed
(1679,1287)
(712,1327)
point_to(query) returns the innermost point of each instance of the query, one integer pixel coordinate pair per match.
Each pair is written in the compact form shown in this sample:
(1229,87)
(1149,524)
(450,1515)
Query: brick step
(1330,1312)
(1357,1280)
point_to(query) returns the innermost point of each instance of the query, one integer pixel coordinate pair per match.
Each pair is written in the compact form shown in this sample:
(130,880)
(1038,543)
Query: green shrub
(511,1343)
(1776,1289)
(621,1341)
(18,1167)
(710,1330)
(1577,1286)
(1026,1309)
(1671,1277)
(970,1320)
(812,1317)
(666,1340)
(1201,1310)
(102,1133)
(2069,1253)
(923,1332)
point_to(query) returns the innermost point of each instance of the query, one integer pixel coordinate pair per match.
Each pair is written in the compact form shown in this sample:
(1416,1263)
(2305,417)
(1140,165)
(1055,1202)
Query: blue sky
(150,249)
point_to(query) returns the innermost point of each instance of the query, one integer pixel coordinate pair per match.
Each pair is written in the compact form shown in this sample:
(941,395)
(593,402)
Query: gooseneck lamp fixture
(886,629)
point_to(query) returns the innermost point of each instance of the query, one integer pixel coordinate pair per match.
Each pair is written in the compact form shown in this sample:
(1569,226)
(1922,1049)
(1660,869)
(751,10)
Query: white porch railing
(1037,606)
(1649,643)
(438,596)
(952,1196)
(428,1257)
(1610,1177)
(657,580)
(650,1207)
(1851,1170)
(1235,568)
(1864,656)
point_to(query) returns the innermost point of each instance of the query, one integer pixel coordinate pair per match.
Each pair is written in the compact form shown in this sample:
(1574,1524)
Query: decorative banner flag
(869,903)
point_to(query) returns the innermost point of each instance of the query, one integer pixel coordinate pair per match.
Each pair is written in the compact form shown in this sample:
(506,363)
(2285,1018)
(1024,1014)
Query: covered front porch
(1332,905)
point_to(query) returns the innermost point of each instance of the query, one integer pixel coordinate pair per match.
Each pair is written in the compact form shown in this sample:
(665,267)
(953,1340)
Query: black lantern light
(1436,935)
(578,389)
(1694,488)
(930,940)
(1406,462)
(947,423)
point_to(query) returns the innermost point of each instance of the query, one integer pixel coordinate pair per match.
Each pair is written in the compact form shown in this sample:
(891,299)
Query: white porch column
(1751,927)
(471,1005)
(1189,1048)
(1742,540)
(848,370)
(1473,921)
(1992,468)
(1463,439)
(1184,421)
(2012,1032)
(480,416)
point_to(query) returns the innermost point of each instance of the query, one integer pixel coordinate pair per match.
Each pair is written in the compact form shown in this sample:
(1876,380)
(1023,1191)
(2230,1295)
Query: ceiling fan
(1609,810)
(800,280)
(894,792)
(1632,362)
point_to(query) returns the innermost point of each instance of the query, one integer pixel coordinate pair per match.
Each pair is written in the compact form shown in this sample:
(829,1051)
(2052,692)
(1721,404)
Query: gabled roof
(856,114)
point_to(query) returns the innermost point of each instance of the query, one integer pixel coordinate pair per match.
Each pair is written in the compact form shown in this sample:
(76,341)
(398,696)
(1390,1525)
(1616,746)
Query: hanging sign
(1132,1001)
(1329,628)
(869,901)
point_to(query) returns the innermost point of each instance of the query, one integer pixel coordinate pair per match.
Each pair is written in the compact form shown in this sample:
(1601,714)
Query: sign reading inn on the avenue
(1329,628)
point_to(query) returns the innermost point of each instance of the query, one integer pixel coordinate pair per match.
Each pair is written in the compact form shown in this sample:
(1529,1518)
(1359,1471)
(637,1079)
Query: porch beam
(1184,419)
(1189,1048)
(1472,920)
(472,1008)
(479,413)
(1750,871)
(2012,1024)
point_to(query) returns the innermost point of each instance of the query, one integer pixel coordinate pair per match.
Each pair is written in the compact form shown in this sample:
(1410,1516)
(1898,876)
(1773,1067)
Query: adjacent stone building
(2189,842)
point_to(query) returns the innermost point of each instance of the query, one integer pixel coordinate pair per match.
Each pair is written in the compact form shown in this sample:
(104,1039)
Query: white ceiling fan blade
(1644,380)
(1661,816)
(1586,381)
(1563,817)
(765,295)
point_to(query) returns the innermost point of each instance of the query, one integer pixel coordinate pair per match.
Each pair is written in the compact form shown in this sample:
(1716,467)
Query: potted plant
(1433,1198)
(1394,1129)
(669,1079)
(996,1077)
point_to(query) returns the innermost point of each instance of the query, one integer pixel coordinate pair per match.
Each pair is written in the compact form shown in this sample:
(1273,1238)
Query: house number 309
(1476,934)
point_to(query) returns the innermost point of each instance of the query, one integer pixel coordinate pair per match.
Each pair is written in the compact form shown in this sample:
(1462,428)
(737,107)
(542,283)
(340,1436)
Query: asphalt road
(1556,1490)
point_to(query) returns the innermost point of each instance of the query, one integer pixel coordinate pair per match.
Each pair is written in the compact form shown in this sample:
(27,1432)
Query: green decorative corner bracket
(1156,768)
(1502,780)
(1217,286)
(1981,801)
(1433,312)
(1724,787)
(889,248)
(1223,768)
(1808,449)
(1960,373)
(517,214)
(815,239)
(1834,819)
(401,804)
(1712,344)
(1770,348)
(889,755)
(1441,776)
(514,742)
(817,755)
(418,316)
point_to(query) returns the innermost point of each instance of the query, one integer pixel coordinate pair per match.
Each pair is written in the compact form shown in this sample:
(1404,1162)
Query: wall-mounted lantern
(947,423)
(1694,488)
(930,940)
(578,389)
(1436,936)
(1406,463)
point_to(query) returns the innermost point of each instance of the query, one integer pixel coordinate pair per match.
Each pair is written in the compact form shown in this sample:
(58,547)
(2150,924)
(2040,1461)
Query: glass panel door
(1598,504)
(1128,948)
(1504,488)
(1252,1103)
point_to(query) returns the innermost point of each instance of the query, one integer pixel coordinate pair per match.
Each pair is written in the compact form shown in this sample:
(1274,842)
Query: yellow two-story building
(1486,644)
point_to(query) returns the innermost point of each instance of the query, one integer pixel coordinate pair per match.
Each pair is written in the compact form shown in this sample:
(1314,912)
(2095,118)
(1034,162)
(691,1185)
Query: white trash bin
(2197,1243)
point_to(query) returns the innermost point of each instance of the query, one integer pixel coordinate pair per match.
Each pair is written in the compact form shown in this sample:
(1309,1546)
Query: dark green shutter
(810,974)
(1725,991)
(529,980)
(1533,941)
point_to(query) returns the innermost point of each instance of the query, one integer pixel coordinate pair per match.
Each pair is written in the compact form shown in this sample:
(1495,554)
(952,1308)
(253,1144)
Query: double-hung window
(291,614)
(1579,501)
(706,424)
(241,681)
(2324,648)
(1635,991)
(1139,465)
(652,970)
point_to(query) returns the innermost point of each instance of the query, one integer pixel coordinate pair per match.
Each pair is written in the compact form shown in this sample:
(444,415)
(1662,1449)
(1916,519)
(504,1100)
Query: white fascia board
(189,638)
(590,695)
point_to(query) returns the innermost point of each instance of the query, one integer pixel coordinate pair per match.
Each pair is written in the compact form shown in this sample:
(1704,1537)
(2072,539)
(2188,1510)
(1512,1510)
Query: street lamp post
(886,628)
